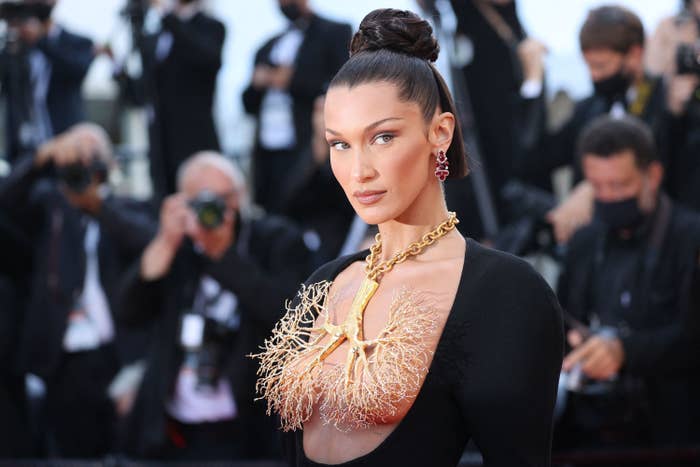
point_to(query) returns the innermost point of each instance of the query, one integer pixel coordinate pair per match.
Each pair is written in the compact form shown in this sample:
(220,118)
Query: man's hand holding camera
(174,219)
(680,91)
(81,175)
(207,219)
(600,356)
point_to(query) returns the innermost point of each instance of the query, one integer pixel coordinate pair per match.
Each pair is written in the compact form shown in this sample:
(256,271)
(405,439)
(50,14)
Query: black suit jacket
(262,268)
(662,344)
(56,231)
(70,56)
(181,89)
(321,54)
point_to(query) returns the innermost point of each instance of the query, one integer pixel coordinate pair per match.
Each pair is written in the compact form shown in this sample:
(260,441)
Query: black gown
(493,377)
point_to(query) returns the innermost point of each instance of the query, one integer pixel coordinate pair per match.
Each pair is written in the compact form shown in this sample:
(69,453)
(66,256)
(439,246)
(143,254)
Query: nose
(362,169)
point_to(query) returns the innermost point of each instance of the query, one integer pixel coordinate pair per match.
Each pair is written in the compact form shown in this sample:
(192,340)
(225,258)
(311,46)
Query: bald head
(210,160)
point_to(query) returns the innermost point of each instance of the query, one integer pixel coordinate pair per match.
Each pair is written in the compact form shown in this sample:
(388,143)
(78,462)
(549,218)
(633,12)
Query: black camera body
(77,176)
(529,232)
(21,11)
(688,59)
(209,208)
(208,358)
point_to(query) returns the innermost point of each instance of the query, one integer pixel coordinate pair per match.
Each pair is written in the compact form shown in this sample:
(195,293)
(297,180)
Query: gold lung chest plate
(378,373)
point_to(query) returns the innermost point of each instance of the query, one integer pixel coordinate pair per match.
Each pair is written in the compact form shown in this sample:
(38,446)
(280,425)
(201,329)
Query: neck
(423,216)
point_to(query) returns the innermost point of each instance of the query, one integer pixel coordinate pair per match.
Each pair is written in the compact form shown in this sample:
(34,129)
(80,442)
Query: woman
(402,358)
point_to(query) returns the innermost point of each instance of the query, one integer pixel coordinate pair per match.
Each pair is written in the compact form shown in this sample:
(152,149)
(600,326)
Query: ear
(441,130)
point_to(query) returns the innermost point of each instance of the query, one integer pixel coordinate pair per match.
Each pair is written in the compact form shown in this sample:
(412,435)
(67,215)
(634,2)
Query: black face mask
(619,215)
(613,87)
(291,11)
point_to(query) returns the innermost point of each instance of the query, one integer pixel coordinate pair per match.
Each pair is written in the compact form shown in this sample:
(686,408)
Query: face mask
(618,215)
(612,87)
(291,11)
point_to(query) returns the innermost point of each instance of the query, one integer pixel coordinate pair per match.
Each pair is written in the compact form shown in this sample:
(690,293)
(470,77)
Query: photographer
(181,63)
(83,238)
(674,51)
(291,70)
(627,285)
(214,280)
(612,43)
(42,68)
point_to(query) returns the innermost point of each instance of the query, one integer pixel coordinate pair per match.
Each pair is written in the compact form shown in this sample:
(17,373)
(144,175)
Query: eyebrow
(369,127)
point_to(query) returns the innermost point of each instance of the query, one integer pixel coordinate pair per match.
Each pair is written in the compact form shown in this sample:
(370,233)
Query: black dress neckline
(421,393)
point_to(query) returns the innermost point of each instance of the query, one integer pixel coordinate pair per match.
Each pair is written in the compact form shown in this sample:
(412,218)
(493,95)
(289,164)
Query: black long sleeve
(200,47)
(70,56)
(139,299)
(252,97)
(130,223)
(507,380)
(263,289)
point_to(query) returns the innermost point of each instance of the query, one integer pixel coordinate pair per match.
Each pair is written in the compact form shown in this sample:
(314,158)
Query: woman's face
(380,149)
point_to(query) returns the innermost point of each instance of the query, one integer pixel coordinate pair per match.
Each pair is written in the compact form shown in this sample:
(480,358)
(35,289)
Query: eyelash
(332,144)
(344,145)
(384,135)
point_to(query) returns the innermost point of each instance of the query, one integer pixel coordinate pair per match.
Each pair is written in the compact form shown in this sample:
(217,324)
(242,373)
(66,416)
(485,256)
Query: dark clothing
(180,88)
(492,80)
(683,171)
(641,287)
(80,382)
(69,56)
(552,150)
(57,230)
(205,441)
(316,201)
(262,268)
(322,52)
(15,438)
(493,377)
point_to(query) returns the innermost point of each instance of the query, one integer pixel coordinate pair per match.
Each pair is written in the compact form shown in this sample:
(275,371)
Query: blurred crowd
(125,324)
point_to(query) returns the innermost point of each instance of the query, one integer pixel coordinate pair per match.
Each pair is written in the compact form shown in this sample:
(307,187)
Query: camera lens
(209,208)
(76,177)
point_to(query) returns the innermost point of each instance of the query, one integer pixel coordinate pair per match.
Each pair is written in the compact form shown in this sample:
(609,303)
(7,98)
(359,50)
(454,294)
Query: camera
(688,59)
(207,343)
(22,11)
(529,232)
(209,208)
(77,176)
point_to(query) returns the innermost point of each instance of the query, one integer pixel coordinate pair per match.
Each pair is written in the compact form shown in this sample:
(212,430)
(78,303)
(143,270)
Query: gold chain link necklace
(352,328)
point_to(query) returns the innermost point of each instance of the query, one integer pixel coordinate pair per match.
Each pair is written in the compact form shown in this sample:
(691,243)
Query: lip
(369,197)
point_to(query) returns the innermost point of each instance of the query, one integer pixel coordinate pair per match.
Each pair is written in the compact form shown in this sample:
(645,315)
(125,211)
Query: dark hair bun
(401,31)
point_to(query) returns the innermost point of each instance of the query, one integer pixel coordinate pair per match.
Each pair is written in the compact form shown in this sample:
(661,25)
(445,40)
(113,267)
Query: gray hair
(218,162)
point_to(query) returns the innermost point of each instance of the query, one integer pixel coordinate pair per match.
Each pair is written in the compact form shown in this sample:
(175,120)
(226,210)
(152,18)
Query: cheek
(410,168)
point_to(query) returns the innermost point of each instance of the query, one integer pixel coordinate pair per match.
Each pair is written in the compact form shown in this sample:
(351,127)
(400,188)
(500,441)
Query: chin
(375,215)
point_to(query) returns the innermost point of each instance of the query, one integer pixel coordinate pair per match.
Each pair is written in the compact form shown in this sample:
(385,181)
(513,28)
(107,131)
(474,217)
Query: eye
(338,145)
(383,138)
